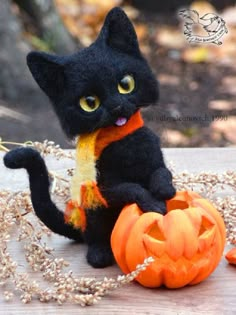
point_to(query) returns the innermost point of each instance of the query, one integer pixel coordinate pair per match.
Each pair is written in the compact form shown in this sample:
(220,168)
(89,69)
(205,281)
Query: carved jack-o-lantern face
(186,243)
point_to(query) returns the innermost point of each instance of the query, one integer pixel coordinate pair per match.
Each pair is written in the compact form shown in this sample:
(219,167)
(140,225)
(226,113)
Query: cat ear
(118,32)
(48,72)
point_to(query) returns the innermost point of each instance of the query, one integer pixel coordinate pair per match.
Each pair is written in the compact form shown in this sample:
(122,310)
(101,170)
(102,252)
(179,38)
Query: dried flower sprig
(45,147)
(64,286)
(16,217)
(49,147)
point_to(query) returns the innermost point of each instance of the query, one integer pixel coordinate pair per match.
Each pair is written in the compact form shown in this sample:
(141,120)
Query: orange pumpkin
(187,243)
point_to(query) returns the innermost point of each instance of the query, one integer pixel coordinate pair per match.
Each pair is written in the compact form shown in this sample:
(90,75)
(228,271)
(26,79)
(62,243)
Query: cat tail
(44,208)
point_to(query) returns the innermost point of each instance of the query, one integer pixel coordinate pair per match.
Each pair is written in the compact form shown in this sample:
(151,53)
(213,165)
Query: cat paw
(100,256)
(20,158)
(153,206)
(161,184)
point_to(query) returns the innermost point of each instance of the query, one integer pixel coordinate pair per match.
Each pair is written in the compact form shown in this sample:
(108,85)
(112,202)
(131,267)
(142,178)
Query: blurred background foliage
(197,106)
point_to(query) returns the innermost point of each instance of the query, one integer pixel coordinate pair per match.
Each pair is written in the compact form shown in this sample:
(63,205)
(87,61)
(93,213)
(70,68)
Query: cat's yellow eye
(89,103)
(126,84)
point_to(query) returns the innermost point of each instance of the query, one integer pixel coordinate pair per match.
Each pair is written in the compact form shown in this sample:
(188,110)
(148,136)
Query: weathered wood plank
(216,295)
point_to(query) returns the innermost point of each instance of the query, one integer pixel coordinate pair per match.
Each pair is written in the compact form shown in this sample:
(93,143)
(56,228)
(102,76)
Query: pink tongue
(121,121)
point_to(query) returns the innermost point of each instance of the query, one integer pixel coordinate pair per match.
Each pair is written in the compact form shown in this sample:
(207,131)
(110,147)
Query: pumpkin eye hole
(126,84)
(156,233)
(205,227)
(89,103)
(176,204)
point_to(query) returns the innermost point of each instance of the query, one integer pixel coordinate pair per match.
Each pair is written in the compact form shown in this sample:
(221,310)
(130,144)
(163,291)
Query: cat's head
(101,85)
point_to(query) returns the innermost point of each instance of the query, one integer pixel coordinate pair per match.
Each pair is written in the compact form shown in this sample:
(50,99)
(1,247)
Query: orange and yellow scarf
(85,193)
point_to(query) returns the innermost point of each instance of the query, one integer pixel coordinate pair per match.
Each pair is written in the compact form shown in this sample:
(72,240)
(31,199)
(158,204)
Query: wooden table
(216,295)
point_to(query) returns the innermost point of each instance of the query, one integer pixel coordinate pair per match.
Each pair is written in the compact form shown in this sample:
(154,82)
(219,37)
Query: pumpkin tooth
(173,281)
(204,266)
(156,247)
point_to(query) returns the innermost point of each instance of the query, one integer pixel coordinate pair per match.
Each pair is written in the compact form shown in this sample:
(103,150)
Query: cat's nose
(117,109)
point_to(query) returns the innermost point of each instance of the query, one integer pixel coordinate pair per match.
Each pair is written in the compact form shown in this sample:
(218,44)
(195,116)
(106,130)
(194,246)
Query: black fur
(129,170)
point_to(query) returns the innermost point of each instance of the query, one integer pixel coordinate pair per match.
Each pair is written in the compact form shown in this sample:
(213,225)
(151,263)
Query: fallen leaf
(141,30)
(193,85)
(190,132)
(229,15)
(222,105)
(167,79)
(227,127)
(174,137)
(130,11)
(170,37)
(202,7)
(104,3)
(196,54)
(68,7)
(84,18)
(229,85)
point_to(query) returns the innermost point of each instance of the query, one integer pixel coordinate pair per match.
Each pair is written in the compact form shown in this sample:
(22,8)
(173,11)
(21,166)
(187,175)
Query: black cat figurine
(97,94)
